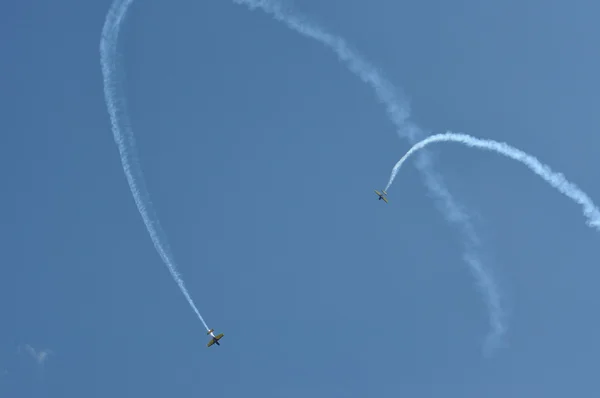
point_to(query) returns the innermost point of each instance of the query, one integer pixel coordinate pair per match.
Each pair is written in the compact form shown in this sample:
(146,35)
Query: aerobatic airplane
(215,339)
(382,195)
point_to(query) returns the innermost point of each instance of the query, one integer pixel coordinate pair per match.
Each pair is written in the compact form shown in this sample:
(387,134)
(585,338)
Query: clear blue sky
(261,153)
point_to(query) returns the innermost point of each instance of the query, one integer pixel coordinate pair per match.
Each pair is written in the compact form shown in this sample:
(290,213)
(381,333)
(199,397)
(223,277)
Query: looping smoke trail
(123,135)
(556,180)
(398,113)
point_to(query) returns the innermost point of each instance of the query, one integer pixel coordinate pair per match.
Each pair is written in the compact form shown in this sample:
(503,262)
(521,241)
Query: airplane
(215,339)
(382,195)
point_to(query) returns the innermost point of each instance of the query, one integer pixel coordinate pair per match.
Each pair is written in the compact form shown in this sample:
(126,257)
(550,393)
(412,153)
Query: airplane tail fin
(210,331)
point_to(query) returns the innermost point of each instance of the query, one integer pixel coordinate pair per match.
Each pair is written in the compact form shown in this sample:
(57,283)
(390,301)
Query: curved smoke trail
(398,113)
(123,134)
(556,180)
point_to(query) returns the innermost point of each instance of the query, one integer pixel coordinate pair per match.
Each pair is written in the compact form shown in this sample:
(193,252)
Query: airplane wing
(220,336)
(384,198)
(211,342)
(377,192)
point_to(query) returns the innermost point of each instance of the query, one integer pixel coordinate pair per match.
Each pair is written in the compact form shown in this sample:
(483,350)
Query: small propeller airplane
(215,339)
(382,195)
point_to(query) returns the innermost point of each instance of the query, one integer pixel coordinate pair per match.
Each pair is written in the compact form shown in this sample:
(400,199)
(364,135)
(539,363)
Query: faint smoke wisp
(39,357)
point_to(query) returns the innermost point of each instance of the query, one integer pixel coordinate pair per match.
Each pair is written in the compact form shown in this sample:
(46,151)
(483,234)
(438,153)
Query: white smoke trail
(123,134)
(556,180)
(398,112)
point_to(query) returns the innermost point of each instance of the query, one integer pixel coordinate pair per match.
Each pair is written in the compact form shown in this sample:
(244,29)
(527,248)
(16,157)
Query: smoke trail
(398,112)
(556,180)
(123,134)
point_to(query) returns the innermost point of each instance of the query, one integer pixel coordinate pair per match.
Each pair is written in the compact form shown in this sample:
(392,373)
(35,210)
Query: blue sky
(261,153)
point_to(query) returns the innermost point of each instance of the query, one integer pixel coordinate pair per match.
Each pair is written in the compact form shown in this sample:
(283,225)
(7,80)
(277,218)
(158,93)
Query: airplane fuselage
(382,195)
(214,339)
